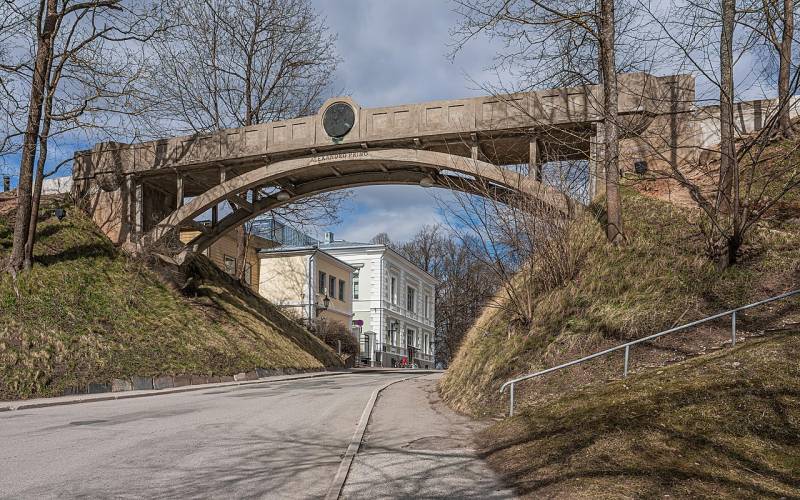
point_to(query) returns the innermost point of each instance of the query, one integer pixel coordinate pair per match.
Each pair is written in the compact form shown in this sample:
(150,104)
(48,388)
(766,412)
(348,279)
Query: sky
(395,52)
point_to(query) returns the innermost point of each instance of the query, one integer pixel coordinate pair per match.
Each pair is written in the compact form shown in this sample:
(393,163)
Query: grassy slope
(660,278)
(86,313)
(723,425)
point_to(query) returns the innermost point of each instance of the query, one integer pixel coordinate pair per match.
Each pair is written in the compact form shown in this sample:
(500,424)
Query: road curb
(16,406)
(337,485)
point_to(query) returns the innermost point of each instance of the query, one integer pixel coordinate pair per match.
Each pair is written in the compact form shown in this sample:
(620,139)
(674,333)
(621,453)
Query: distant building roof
(330,244)
(284,250)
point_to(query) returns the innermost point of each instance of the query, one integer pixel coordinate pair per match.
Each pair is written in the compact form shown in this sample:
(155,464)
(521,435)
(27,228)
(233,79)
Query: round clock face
(338,119)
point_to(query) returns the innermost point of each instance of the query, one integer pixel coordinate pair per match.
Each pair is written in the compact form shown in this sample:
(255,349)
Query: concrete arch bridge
(141,194)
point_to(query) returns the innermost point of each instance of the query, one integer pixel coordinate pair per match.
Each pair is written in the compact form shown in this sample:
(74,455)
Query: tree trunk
(242,241)
(728,196)
(726,142)
(23,217)
(44,137)
(784,119)
(614,230)
(37,192)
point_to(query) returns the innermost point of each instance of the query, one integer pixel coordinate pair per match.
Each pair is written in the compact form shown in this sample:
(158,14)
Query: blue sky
(393,52)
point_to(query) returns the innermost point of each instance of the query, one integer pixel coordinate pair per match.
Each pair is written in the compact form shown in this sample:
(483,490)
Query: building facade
(308,281)
(224,253)
(393,304)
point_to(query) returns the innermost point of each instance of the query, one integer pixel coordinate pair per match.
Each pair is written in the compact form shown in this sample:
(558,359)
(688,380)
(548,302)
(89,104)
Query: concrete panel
(98,387)
(165,382)
(181,380)
(142,383)
(255,139)
(118,385)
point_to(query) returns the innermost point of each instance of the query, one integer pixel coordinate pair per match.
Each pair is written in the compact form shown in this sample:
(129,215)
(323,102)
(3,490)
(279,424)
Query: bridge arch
(283,182)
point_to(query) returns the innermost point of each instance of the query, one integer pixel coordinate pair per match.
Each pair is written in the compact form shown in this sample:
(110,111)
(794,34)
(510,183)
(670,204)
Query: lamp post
(326,302)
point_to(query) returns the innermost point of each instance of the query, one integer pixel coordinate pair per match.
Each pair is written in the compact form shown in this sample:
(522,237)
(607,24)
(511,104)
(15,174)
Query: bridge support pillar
(138,209)
(597,176)
(534,162)
(179,191)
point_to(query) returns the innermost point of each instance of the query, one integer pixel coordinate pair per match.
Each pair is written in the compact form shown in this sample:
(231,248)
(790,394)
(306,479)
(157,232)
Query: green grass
(723,425)
(86,313)
(659,278)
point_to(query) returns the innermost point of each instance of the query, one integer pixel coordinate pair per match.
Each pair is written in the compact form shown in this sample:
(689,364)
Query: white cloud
(399,211)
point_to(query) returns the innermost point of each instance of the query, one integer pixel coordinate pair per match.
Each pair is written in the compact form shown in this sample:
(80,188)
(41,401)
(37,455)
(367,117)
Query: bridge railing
(627,346)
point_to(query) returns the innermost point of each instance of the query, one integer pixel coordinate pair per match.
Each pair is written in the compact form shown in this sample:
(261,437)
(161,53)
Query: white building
(393,303)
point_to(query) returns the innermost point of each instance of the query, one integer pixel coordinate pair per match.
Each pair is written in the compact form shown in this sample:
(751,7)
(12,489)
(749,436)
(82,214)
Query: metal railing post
(625,369)
(733,328)
(511,403)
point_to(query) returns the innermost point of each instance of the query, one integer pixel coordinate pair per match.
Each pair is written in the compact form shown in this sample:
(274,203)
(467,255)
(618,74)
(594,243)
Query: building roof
(347,245)
(304,250)
(330,244)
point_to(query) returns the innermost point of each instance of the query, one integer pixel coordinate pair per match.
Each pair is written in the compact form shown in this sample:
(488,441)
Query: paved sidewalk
(415,447)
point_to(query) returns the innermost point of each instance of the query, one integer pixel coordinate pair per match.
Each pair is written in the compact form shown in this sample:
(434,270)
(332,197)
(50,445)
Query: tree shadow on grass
(659,442)
(77,252)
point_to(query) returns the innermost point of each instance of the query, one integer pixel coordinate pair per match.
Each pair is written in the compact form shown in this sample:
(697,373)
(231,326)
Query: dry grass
(86,313)
(724,425)
(660,278)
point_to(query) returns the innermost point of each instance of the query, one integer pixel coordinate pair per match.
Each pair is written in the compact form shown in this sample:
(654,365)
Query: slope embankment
(661,277)
(695,418)
(88,314)
(724,425)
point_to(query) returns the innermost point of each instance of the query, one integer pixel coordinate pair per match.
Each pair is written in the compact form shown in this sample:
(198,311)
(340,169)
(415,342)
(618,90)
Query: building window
(341,290)
(427,308)
(230,265)
(410,299)
(248,273)
(332,287)
(391,331)
(393,290)
(355,288)
(322,280)
(409,338)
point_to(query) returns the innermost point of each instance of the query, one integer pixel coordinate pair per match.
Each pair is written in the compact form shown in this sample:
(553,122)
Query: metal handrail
(627,346)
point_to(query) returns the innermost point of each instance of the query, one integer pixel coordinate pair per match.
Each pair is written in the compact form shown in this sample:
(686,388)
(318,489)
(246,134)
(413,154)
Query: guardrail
(627,346)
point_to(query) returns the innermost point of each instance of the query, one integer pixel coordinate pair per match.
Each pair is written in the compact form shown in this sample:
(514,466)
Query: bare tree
(737,183)
(240,63)
(80,63)
(771,25)
(382,239)
(564,43)
(465,283)
(528,247)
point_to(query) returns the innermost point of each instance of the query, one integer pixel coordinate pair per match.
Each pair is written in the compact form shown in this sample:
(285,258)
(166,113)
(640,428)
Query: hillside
(723,425)
(659,279)
(86,313)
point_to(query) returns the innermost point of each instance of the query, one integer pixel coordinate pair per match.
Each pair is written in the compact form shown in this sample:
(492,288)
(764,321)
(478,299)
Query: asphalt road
(276,440)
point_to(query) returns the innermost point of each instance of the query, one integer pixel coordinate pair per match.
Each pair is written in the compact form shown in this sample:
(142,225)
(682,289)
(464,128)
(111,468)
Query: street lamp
(326,302)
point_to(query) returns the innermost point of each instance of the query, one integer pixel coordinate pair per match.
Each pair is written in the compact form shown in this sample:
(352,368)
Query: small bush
(330,332)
